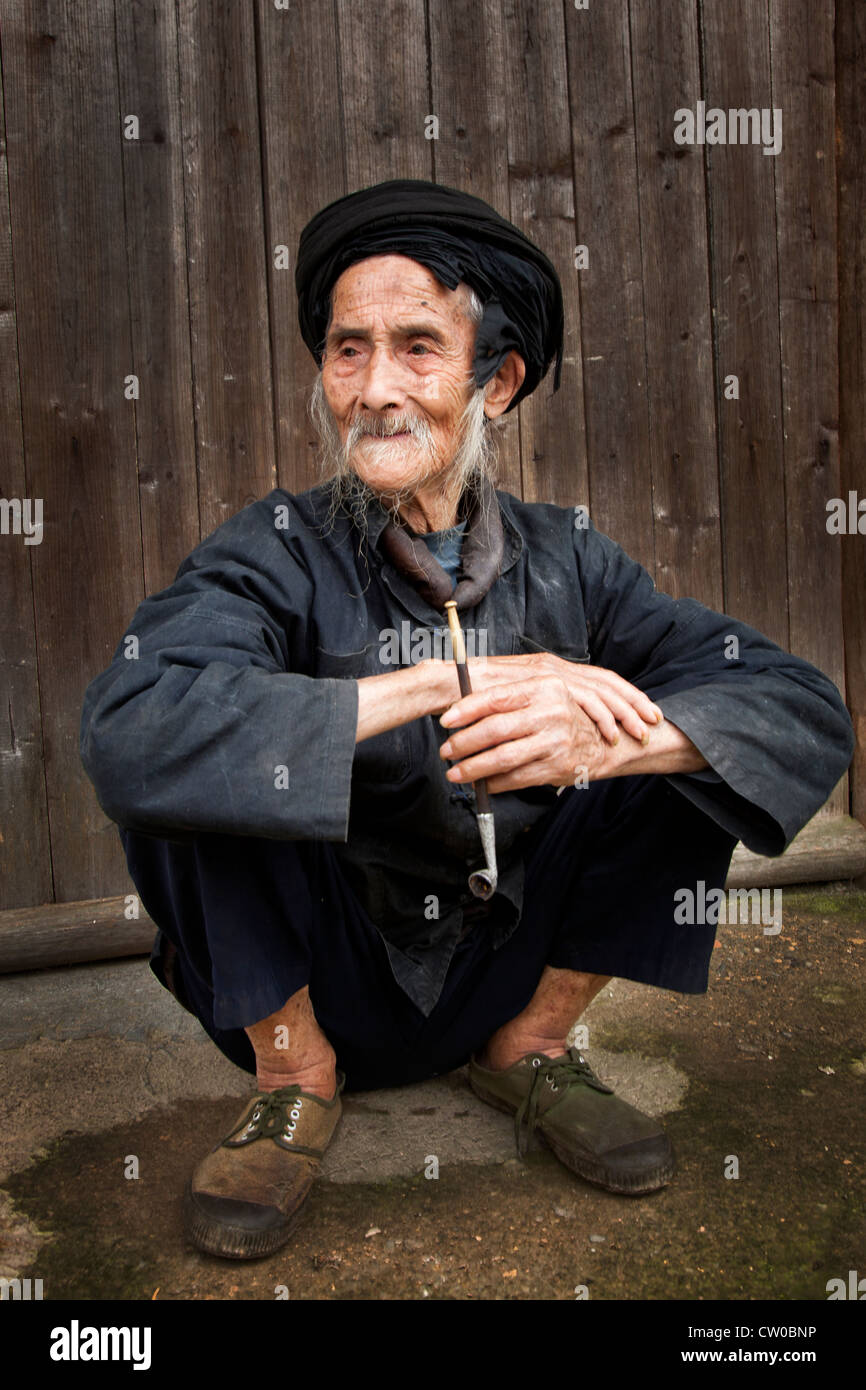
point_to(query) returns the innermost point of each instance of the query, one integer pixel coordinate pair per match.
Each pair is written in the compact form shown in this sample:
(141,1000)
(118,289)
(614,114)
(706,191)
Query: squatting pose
(299,810)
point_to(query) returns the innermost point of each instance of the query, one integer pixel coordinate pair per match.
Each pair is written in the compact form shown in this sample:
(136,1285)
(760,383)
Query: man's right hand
(605,697)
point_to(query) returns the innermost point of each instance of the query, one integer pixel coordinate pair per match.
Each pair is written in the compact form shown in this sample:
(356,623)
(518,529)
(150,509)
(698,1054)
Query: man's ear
(504,386)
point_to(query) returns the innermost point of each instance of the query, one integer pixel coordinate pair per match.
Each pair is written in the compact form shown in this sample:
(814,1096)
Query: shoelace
(275,1113)
(558,1073)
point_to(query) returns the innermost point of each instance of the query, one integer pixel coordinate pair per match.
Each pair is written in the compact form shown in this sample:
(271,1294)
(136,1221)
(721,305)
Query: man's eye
(419,345)
(344,351)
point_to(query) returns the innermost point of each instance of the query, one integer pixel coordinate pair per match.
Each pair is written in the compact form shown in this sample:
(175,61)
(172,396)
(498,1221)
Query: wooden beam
(826,849)
(37,938)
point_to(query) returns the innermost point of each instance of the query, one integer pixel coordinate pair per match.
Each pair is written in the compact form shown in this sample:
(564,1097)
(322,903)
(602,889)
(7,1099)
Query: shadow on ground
(765,1075)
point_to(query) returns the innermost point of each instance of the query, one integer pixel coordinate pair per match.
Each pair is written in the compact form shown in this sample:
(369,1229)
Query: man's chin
(392,468)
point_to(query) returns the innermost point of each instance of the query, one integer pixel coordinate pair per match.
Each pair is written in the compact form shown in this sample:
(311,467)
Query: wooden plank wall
(157,257)
(69,256)
(25,852)
(850,123)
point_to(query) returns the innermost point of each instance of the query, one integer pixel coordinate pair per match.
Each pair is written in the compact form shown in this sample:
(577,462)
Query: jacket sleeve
(203,721)
(773,729)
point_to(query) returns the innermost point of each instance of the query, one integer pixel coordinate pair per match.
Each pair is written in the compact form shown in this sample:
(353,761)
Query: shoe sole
(588,1169)
(233,1242)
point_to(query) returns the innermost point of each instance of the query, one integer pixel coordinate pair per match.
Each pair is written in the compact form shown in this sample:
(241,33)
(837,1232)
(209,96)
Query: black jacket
(236,709)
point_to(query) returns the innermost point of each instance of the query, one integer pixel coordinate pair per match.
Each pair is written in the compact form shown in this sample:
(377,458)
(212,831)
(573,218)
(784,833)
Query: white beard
(476,455)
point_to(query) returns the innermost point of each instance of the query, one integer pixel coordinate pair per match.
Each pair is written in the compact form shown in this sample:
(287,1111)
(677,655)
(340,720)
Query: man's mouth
(401,434)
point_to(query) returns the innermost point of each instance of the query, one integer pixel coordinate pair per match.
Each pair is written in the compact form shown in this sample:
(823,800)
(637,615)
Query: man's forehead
(397,280)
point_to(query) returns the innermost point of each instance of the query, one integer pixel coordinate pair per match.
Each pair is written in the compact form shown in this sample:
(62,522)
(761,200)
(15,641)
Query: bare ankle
(317,1079)
(502,1053)
(314,1071)
(292,1050)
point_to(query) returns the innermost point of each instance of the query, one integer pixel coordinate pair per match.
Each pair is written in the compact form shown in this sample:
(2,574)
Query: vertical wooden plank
(851,155)
(801,51)
(744,270)
(357,84)
(226,258)
(612,317)
(65,188)
(158,294)
(552,428)
(386,94)
(469,86)
(25,856)
(671,191)
(302,142)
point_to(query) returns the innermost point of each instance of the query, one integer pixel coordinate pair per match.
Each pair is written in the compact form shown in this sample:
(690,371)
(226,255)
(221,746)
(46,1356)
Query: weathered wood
(743,263)
(612,324)
(39,938)
(824,851)
(158,293)
(66,198)
(552,427)
(25,861)
(156,257)
(231,359)
(470,96)
(302,141)
(803,88)
(385,91)
(159,354)
(851,144)
(673,228)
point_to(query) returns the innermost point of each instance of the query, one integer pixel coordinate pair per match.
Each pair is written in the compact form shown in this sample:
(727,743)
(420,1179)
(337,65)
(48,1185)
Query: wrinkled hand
(526,733)
(605,697)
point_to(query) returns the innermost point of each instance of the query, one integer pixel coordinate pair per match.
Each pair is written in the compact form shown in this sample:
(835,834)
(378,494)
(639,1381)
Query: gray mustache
(384,429)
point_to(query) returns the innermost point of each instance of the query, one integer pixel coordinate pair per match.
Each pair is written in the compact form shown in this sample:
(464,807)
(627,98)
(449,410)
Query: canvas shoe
(244,1199)
(593,1132)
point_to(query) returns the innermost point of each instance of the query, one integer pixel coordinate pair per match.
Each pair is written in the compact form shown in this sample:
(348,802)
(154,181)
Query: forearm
(666,749)
(398,697)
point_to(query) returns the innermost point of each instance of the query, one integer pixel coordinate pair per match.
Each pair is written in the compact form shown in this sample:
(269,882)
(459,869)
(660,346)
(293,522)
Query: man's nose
(383,387)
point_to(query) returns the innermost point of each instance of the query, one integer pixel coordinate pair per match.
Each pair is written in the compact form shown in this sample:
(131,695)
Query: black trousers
(244,923)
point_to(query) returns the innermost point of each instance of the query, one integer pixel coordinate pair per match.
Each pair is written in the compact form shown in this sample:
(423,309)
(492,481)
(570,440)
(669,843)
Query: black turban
(458,237)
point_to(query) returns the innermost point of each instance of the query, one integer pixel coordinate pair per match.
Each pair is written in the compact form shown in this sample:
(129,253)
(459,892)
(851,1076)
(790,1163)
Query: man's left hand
(531,733)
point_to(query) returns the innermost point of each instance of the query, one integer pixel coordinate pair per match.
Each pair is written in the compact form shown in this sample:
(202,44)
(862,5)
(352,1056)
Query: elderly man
(294,781)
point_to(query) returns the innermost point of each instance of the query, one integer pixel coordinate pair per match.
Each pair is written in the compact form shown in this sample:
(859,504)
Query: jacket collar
(488,550)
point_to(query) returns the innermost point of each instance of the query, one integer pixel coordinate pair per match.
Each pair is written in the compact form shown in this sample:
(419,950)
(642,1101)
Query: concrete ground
(763,1077)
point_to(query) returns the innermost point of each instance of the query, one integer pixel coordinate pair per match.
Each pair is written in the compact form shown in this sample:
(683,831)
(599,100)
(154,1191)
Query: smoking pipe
(483,882)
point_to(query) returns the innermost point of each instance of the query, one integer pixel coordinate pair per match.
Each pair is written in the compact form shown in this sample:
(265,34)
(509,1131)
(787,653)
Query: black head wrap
(458,237)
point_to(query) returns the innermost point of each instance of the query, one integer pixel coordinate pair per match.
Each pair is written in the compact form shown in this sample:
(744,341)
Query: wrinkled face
(397,370)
